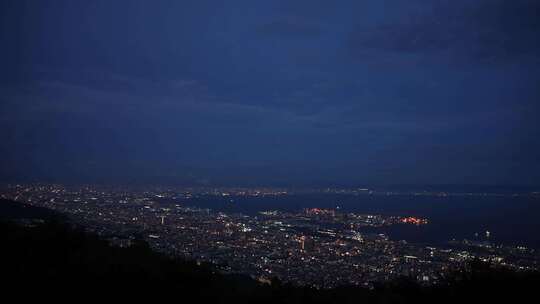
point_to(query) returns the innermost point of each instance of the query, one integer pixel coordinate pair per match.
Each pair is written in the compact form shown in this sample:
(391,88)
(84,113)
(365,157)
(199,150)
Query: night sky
(271,92)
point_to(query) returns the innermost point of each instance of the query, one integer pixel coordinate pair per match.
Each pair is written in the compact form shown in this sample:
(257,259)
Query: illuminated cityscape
(318,247)
(284,151)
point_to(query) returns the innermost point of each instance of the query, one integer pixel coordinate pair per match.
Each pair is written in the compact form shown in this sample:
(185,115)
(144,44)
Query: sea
(510,220)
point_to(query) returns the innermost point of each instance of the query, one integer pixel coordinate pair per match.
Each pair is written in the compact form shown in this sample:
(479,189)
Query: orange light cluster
(318,211)
(414,220)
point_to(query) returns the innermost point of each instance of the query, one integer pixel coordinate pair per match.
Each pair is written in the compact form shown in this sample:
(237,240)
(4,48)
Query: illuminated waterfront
(295,245)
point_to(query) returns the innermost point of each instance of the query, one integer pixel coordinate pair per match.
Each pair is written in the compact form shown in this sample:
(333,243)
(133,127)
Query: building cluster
(319,247)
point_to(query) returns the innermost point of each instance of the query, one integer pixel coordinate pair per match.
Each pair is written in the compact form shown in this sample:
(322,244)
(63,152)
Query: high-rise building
(307,244)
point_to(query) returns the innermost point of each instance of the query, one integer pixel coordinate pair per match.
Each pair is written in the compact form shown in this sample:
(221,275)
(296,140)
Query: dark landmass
(43,256)
(15,211)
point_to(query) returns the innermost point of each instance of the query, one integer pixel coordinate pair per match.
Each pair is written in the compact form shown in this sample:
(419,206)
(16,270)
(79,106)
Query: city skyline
(312,246)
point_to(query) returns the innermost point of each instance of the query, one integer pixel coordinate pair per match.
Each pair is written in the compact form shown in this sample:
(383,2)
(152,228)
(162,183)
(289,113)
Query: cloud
(290,26)
(183,83)
(483,30)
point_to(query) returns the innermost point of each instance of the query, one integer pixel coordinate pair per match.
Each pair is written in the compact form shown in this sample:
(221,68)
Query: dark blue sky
(271,92)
